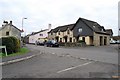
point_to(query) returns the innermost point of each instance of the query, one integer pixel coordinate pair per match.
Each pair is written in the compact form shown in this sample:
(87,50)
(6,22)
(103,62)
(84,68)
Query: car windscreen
(53,41)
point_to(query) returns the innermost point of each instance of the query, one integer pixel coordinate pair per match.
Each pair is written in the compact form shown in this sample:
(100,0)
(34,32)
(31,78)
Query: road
(108,54)
(66,63)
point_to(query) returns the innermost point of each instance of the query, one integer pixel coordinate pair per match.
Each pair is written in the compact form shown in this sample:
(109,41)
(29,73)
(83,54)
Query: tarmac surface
(65,63)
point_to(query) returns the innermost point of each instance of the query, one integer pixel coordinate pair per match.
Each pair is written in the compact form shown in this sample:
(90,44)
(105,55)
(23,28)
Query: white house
(40,36)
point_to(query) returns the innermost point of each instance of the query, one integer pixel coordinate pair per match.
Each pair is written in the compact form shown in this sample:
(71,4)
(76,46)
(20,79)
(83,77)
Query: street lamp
(22,28)
(22,23)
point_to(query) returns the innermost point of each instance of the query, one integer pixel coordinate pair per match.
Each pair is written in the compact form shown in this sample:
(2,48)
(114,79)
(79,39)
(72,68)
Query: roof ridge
(40,31)
(15,27)
(67,24)
(64,26)
(88,20)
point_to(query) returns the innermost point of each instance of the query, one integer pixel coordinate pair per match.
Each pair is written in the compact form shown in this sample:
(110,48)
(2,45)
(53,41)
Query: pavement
(13,59)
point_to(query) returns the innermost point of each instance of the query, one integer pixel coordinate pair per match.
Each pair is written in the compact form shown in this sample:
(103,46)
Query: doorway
(57,39)
(105,40)
(65,37)
(101,40)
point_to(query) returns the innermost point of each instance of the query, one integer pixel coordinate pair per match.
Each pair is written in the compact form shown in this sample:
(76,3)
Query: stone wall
(12,32)
(96,40)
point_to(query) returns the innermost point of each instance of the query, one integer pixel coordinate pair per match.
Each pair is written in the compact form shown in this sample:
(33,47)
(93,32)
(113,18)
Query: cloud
(59,12)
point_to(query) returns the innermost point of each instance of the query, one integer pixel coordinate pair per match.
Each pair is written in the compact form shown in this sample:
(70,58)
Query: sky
(40,13)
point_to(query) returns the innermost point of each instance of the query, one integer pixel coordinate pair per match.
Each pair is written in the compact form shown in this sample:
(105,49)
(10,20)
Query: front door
(105,41)
(65,39)
(57,39)
(101,40)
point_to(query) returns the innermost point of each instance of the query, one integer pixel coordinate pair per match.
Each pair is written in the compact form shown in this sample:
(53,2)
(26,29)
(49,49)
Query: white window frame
(80,30)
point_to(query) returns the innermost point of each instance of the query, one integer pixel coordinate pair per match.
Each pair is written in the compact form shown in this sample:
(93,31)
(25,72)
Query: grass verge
(21,52)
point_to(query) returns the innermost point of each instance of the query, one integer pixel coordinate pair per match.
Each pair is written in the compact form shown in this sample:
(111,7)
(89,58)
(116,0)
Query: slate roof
(37,32)
(8,25)
(62,28)
(98,28)
(109,31)
(116,37)
(89,23)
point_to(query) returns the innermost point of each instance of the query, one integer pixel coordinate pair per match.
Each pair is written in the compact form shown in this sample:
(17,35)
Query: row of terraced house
(89,31)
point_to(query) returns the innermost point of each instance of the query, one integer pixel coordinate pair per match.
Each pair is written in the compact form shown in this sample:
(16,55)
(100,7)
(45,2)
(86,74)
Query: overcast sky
(40,13)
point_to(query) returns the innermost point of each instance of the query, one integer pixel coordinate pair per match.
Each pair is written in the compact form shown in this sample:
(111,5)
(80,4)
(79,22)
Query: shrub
(8,42)
(61,43)
(16,44)
(12,44)
(81,41)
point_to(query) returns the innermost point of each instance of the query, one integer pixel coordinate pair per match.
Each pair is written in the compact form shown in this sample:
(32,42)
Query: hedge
(70,44)
(12,44)
(16,44)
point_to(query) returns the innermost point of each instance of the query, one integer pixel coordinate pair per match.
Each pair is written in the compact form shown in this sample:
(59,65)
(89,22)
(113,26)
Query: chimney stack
(49,26)
(5,23)
(10,22)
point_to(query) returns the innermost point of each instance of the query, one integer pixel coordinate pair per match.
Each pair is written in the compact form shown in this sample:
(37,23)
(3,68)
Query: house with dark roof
(39,36)
(110,32)
(8,29)
(89,31)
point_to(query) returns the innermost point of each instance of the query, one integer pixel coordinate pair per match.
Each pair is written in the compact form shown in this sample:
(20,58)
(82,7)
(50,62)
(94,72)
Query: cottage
(8,29)
(39,36)
(88,31)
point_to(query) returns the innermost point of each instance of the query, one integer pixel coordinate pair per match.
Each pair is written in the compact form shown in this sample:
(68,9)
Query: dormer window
(51,33)
(102,30)
(59,33)
(94,26)
(68,32)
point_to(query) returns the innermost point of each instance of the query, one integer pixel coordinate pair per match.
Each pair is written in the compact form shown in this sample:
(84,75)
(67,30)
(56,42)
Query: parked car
(52,43)
(115,42)
(42,43)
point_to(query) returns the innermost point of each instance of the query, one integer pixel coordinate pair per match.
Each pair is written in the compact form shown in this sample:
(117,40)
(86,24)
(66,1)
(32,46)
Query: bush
(12,44)
(16,44)
(70,44)
(61,43)
(81,41)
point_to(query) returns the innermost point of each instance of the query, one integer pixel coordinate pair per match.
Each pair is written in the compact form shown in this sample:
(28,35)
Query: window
(80,30)
(94,26)
(83,38)
(41,34)
(68,32)
(59,33)
(60,39)
(102,30)
(51,33)
(74,40)
(7,33)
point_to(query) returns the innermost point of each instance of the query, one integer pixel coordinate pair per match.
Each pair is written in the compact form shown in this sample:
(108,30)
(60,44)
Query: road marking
(53,53)
(73,67)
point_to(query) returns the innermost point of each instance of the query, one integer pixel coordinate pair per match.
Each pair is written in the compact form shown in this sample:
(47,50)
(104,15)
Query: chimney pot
(11,22)
(5,23)
(49,26)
